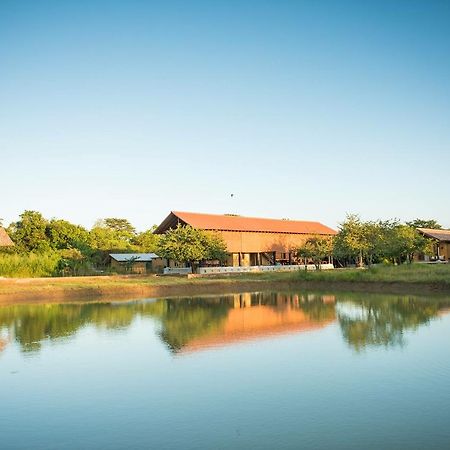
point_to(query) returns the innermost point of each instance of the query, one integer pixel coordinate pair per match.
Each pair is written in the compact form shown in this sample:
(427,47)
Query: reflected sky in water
(252,370)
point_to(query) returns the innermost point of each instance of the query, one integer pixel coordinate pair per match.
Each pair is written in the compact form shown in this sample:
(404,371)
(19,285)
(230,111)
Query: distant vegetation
(366,243)
(57,247)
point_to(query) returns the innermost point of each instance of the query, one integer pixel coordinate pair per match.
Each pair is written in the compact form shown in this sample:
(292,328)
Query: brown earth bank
(107,288)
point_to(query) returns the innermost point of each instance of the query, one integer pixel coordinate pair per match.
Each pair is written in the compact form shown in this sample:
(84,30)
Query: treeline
(369,242)
(57,247)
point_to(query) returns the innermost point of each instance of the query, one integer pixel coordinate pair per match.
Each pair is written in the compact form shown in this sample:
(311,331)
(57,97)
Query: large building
(251,241)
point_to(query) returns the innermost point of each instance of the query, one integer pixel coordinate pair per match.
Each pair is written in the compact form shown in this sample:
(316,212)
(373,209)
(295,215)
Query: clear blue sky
(301,109)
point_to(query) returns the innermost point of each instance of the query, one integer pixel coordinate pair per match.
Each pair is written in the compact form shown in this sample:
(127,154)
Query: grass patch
(30,265)
(407,273)
(378,278)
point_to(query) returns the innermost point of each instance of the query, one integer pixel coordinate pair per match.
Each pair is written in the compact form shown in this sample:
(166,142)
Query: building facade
(252,241)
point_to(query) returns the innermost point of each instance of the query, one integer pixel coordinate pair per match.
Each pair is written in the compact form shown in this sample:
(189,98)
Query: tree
(424,223)
(316,248)
(147,241)
(189,245)
(29,233)
(123,227)
(65,235)
(353,239)
(106,239)
(215,246)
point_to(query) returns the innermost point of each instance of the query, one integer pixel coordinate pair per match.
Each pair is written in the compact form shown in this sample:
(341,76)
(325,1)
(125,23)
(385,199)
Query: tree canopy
(190,245)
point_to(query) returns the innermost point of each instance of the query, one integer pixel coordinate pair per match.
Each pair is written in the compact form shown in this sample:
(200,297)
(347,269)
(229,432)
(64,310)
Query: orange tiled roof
(240,223)
(5,240)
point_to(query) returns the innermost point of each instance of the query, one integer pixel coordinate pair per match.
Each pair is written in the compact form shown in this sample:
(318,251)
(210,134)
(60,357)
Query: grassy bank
(395,279)
(406,273)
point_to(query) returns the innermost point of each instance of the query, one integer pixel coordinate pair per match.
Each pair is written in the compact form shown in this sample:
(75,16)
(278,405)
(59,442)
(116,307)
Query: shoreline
(53,290)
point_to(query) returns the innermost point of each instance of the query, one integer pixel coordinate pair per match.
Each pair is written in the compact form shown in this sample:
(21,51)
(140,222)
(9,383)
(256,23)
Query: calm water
(256,370)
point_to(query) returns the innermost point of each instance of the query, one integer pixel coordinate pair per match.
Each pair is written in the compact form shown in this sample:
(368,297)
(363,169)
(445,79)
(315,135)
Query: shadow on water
(191,324)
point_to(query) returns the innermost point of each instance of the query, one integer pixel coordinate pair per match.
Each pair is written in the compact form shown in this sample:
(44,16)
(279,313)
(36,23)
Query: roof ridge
(238,216)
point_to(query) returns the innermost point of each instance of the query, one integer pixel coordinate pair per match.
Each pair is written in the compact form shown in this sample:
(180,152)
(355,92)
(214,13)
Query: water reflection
(190,324)
(381,320)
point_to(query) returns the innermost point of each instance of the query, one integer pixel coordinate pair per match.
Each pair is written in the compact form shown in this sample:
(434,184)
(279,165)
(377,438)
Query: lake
(263,370)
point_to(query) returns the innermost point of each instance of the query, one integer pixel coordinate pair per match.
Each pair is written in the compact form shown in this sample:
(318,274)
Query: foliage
(147,241)
(106,239)
(190,245)
(316,248)
(29,233)
(65,235)
(29,265)
(424,223)
(215,246)
(371,242)
(122,227)
(353,239)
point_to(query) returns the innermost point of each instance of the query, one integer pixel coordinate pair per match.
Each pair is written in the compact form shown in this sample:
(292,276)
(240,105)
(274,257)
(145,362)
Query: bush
(29,265)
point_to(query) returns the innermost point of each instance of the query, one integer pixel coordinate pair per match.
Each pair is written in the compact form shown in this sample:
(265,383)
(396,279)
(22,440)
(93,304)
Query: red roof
(240,223)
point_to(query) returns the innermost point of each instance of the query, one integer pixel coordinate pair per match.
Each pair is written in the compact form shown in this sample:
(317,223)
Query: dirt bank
(54,290)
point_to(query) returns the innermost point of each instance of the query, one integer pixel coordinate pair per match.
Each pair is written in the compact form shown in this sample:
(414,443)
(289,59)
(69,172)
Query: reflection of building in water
(3,344)
(254,316)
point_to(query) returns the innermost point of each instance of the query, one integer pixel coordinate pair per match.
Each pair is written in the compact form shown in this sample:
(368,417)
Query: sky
(305,110)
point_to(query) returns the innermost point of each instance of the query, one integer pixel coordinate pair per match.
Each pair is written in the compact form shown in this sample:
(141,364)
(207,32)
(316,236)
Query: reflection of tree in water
(31,324)
(381,320)
(186,319)
(181,319)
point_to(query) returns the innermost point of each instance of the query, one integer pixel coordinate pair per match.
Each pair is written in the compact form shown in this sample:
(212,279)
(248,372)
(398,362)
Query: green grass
(420,275)
(407,273)
(30,265)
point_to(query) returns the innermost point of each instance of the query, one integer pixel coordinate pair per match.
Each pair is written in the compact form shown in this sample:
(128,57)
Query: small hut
(137,263)
(5,240)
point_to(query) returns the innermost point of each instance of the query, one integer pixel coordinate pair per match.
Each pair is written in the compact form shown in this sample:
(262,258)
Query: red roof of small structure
(240,223)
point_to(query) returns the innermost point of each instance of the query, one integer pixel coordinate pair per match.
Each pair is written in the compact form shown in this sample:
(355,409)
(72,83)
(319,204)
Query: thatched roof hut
(5,240)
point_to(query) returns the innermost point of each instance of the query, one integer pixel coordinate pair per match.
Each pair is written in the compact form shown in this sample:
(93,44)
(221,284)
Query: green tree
(316,248)
(106,239)
(146,241)
(215,246)
(29,233)
(353,240)
(182,243)
(424,223)
(188,245)
(122,227)
(65,235)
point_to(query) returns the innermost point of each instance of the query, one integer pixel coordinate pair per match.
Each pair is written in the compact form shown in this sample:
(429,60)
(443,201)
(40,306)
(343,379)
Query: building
(5,240)
(252,241)
(136,263)
(442,243)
